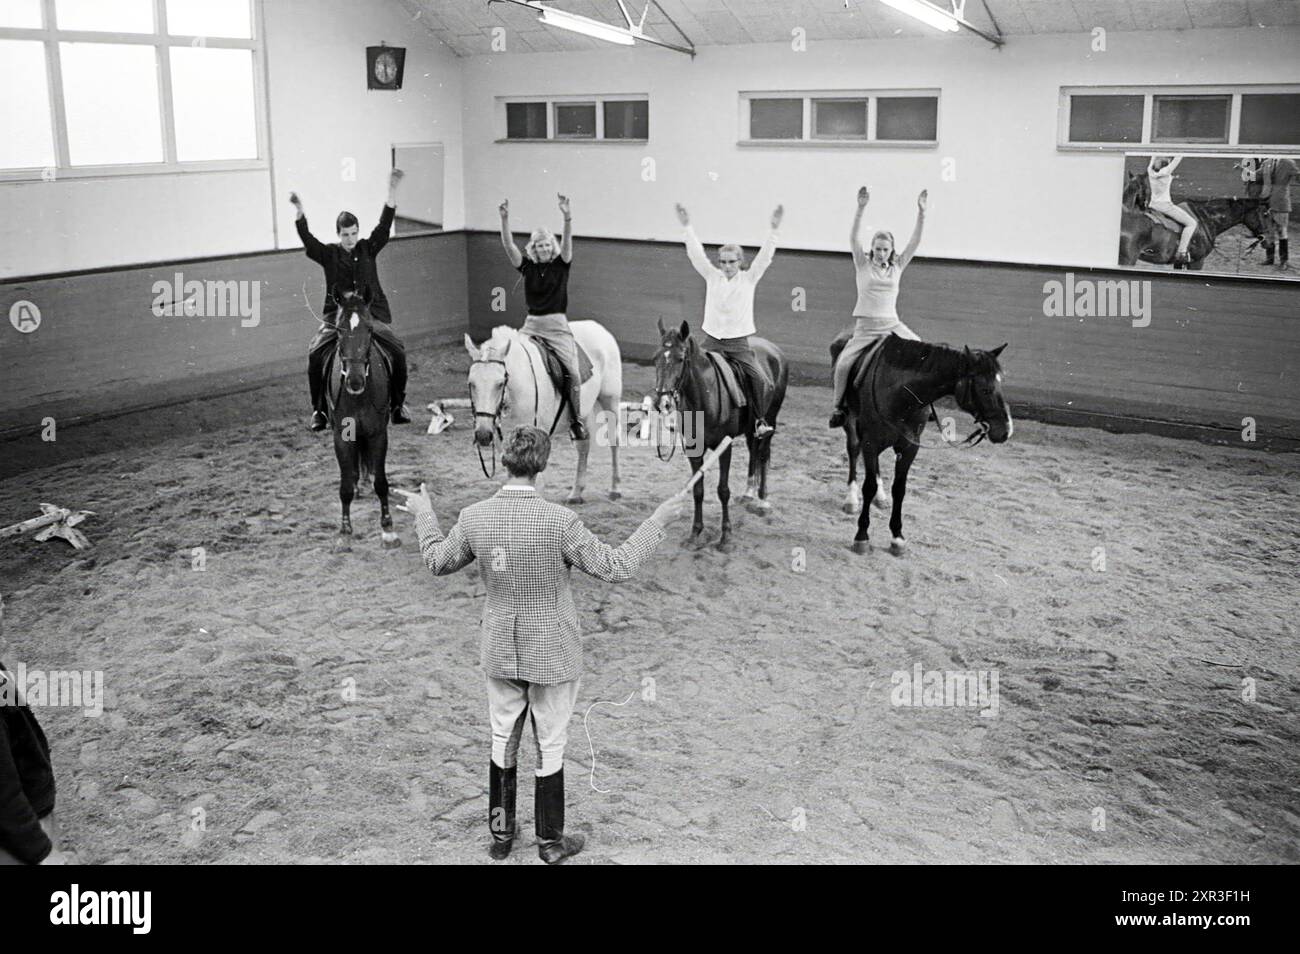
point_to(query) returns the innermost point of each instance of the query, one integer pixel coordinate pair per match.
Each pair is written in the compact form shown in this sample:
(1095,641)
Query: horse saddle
(858,373)
(555,367)
(1159,218)
(727,374)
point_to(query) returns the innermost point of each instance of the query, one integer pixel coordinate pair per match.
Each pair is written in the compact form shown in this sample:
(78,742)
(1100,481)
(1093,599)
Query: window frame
(810,140)
(51,36)
(597,101)
(1149,93)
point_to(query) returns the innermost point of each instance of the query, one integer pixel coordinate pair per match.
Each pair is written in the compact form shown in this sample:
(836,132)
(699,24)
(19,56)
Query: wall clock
(384,66)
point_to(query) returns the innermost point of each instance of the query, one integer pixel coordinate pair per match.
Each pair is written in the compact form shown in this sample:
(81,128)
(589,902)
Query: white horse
(509,386)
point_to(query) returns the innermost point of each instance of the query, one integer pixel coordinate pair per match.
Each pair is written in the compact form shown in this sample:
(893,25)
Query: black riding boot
(578,430)
(501,809)
(400,415)
(316,386)
(1283,251)
(1268,254)
(553,845)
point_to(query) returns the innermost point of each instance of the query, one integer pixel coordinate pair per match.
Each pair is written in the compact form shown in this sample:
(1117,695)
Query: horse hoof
(725,546)
(758,505)
(897,546)
(573,499)
(880,503)
(861,546)
(343,545)
(615,495)
(852,507)
(391,541)
(694,542)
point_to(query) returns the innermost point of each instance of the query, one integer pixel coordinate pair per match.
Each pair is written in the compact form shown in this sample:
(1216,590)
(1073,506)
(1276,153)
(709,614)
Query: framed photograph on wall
(1209,213)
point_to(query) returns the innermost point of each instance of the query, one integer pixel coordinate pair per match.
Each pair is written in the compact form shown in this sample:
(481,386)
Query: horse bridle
(676,394)
(962,395)
(492,416)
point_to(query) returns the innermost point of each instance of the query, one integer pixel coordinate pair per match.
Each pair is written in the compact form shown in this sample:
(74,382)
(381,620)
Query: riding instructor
(530,639)
(729,307)
(349,264)
(544,265)
(878,276)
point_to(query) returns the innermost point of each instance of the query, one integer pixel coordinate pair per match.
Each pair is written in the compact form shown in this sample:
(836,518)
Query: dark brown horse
(686,384)
(890,405)
(1143,238)
(358,401)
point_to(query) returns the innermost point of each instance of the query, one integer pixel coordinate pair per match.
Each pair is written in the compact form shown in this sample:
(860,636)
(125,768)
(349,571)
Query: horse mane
(937,357)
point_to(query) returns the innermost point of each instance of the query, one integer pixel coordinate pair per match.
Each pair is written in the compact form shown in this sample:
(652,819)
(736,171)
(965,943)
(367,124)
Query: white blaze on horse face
(356,320)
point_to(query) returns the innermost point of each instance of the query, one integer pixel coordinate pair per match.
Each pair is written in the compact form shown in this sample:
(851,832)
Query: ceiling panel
(465,25)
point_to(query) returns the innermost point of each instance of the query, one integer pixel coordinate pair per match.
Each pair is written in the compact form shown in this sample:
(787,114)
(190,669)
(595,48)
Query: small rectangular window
(907,118)
(1270,119)
(28,140)
(105,16)
(24,14)
(110,91)
(525,120)
(627,119)
(840,118)
(1106,118)
(1191,118)
(212,90)
(575,120)
(776,119)
(224,18)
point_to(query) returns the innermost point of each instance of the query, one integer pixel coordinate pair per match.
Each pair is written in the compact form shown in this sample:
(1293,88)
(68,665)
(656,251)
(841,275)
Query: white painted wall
(1016,197)
(320,112)
(325,125)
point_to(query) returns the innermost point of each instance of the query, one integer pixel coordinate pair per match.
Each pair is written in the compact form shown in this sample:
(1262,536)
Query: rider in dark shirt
(544,264)
(350,264)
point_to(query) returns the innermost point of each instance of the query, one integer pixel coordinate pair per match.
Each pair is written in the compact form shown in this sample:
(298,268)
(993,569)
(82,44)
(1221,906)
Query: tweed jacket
(526,548)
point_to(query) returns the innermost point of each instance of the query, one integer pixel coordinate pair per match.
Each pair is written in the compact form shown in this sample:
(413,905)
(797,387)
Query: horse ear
(473,351)
(685,330)
(506,350)
(659,323)
(998,350)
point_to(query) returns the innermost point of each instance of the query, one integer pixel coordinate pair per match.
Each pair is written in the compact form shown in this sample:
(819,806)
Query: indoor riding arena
(1050,619)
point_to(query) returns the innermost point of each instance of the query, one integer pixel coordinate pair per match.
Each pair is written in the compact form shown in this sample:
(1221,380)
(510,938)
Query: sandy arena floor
(759,726)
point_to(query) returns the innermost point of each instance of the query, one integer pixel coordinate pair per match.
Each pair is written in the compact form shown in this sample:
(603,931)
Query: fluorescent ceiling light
(586,25)
(926,13)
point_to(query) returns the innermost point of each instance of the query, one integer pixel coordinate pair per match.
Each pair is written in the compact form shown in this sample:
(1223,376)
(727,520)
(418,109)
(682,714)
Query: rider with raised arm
(544,264)
(349,264)
(878,276)
(729,307)
(1160,173)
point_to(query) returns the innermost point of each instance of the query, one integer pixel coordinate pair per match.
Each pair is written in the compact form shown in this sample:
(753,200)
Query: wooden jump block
(53,522)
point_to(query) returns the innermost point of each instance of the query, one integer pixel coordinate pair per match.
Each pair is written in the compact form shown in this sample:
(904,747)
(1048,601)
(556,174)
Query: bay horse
(358,402)
(686,383)
(509,385)
(1143,238)
(891,402)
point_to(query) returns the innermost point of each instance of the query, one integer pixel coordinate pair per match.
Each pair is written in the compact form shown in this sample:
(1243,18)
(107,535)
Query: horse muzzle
(483,434)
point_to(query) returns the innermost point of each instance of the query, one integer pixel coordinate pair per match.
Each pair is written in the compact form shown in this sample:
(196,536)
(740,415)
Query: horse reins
(492,416)
(676,394)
